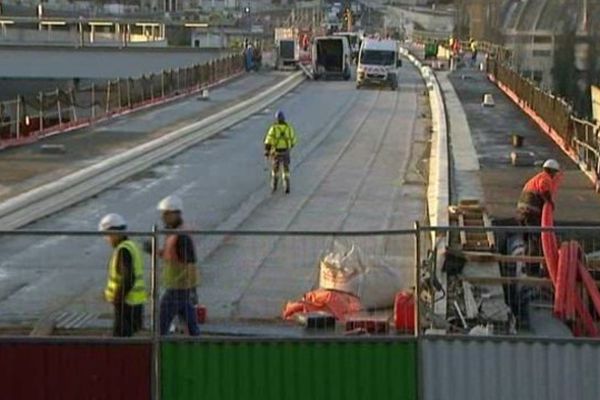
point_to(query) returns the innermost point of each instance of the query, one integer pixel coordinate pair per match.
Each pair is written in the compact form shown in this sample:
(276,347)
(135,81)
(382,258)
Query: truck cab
(378,63)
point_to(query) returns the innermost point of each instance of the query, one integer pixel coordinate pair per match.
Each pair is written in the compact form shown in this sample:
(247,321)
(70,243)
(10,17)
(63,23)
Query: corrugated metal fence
(516,369)
(439,368)
(275,369)
(59,369)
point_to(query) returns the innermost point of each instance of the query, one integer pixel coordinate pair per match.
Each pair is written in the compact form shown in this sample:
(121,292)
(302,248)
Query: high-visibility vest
(531,196)
(281,137)
(176,274)
(137,294)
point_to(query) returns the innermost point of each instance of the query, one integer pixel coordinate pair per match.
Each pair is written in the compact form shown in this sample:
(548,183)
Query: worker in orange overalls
(537,191)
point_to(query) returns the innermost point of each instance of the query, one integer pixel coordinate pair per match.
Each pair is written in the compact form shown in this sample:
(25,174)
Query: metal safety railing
(270,284)
(28,118)
(578,137)
(242,283)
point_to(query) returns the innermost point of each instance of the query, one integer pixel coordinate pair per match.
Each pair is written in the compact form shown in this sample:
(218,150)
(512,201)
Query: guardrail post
(73,109)
(129,92)
(119,94)
(151,77)
(417,277)
(178,73)
(162,83)
(41,111)
(108,98)
(155,318)
(18,117)
(93,103)
(143,85)
(59,109)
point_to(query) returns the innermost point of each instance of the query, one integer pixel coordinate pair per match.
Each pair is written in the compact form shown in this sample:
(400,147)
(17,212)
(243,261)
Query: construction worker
(537,191)
(279,141)
(125,288)
(474,52)
(179,272)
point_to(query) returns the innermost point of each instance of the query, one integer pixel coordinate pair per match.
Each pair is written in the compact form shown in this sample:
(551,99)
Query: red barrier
(571,293)
(74,370)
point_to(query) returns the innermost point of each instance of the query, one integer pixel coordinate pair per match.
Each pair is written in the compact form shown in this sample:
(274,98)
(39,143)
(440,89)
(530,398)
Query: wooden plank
(487,256)
(490,234)
(507,280)
(469,203)
(470,303)
(463,234)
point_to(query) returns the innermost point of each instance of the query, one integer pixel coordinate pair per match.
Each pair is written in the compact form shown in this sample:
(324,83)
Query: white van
(378,63)
(331,57)
(354,41)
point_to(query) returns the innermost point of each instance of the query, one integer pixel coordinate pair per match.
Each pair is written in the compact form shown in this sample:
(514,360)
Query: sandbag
(341,270)
(336,303)
(374,280)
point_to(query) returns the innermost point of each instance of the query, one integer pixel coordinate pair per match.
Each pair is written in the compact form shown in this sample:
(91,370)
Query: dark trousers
(128,319)
(179,302)
(281,159)
(532,239)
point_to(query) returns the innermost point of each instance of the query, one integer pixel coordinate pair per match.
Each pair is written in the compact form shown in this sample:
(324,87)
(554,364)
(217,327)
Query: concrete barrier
(438,188)
(50,198)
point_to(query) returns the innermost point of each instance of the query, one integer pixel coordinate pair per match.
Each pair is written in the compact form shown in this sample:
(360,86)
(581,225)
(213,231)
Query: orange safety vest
(531,197)
(177,275)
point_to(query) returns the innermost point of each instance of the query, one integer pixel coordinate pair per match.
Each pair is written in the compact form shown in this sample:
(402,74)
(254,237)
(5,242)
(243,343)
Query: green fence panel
(265,370)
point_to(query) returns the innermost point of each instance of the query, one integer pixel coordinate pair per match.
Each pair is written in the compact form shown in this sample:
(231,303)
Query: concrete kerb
(47,199)
(438,188)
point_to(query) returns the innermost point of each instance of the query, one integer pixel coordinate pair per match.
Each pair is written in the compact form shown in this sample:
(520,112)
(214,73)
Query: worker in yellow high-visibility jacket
(279,141)
(125,287)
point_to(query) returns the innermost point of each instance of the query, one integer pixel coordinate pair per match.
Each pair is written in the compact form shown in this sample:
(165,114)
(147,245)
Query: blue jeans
(178,302)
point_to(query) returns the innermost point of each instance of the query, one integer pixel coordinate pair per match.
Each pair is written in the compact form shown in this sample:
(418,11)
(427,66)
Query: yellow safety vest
(281,137)
(137,294)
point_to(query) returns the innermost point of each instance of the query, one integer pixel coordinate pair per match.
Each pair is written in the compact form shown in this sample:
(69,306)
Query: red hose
(571,287)
(565,259)
(549,242)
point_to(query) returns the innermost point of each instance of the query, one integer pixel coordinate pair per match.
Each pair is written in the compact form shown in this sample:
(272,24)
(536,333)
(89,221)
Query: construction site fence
(252,358)
(428,367)
(578,137)
(244,281)
(247,280)
(28,118)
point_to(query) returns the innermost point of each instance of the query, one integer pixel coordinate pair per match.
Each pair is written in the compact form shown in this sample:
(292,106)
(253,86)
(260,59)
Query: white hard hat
(552,164)
(111,221)
(171,203)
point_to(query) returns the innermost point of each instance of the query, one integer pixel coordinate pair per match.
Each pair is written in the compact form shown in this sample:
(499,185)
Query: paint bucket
(488,100)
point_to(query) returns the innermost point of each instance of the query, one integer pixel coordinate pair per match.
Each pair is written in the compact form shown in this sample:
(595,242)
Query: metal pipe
(417,276)
(155,318)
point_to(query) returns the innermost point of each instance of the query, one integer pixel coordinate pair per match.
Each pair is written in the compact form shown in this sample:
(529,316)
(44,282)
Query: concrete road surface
(359,165)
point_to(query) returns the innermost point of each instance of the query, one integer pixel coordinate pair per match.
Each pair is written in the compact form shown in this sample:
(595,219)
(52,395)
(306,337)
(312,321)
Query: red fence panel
(75,370)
